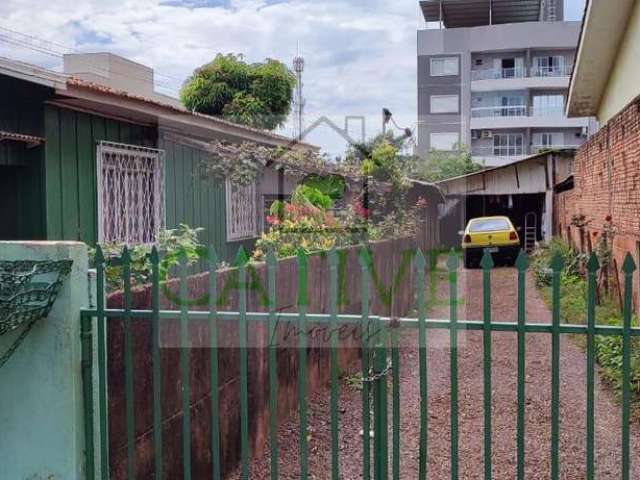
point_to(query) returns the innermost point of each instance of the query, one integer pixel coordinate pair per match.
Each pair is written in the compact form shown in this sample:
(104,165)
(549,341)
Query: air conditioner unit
(475,134)
(486,134)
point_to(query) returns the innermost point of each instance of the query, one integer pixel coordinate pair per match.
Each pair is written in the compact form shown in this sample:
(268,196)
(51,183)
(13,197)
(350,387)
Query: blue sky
(360,54)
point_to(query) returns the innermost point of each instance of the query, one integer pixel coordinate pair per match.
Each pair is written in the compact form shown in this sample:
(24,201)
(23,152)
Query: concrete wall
(41,415)
(622,86)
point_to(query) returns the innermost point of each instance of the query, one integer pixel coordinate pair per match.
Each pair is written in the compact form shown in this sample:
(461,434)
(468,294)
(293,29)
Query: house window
(446,141)
(444,66)
(130,193)
(444,103)
(242,211)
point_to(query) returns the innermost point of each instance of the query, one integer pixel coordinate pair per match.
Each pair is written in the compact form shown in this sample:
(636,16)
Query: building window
(508,144)
(444,66)
(130,193)
(548,105)
(548,139)
(551,66)
(447,141)
(444,103)
(242,211)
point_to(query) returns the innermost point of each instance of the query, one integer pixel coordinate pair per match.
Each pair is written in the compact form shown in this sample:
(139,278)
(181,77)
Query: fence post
(41,401)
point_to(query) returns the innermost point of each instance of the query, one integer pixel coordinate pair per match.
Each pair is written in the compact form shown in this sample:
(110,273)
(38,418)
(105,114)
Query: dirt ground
(504,359)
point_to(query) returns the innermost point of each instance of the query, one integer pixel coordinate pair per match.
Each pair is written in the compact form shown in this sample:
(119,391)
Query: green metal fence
(380,367)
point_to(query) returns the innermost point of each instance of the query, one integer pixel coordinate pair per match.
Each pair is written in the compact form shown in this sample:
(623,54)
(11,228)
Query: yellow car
(496,234)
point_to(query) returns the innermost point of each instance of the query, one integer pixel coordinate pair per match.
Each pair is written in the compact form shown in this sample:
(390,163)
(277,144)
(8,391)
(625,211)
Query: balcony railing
(521,72)
(516,111)
(497,73)
(553,71)
(516,150)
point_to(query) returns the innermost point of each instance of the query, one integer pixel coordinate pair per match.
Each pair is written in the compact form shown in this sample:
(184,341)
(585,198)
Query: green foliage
(304,194)
(574,261)
(299,226)
(172,246)
(258,95)
(333,186)
(441,165)
(573,308)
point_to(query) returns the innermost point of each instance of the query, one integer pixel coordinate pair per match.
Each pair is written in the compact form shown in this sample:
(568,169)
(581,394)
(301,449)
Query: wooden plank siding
(55,184)
(21,182)
(70,168)
(197,201)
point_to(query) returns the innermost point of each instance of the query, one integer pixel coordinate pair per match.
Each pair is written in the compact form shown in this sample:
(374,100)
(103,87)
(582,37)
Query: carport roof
(568,151)
(473,13)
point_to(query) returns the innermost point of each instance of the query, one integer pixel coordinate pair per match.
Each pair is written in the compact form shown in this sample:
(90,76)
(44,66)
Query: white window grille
(131,193)
(242,211)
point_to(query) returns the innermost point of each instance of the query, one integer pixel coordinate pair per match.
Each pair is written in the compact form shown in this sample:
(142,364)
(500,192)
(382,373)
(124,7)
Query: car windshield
(489,225)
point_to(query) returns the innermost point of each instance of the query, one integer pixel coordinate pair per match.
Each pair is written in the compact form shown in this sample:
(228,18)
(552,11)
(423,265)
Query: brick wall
(607,182)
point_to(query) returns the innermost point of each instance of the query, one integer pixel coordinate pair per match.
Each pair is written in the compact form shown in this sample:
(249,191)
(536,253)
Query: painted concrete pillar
(41,415)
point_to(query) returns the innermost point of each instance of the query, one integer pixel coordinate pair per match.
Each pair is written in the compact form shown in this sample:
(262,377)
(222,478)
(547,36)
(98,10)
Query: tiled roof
(19,137)
(96,87)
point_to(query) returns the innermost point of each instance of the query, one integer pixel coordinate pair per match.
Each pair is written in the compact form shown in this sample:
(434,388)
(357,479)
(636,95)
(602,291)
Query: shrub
(172,246)
(573,308)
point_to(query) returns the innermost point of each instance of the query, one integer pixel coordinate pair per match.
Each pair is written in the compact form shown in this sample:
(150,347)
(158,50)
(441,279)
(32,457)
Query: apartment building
(493,77)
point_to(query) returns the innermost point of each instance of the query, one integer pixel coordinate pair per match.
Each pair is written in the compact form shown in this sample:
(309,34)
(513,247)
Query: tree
(257,94)
(441,165)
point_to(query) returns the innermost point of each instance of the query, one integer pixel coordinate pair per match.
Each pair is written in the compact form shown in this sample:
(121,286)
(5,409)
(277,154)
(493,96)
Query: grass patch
(573,310)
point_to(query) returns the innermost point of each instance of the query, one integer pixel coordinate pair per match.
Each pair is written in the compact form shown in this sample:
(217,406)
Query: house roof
(603,29)
(78,93)
(473,13)
(30,140)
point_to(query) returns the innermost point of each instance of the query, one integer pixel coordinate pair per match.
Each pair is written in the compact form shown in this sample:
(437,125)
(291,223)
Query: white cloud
(360,55)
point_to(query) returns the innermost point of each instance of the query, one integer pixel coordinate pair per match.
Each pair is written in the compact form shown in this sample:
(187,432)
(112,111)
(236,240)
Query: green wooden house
(95,154)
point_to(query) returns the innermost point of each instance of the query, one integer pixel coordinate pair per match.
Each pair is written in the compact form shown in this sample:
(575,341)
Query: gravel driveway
(538,395)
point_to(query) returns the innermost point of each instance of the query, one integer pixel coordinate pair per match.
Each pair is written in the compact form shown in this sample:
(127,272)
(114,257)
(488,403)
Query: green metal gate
(380,367)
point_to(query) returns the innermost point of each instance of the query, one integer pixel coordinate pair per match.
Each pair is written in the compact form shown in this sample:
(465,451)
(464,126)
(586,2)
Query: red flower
(608,218)
(595,234)
(273,220)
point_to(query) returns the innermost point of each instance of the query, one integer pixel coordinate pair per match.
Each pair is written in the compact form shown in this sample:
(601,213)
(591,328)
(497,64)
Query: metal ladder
(530,231)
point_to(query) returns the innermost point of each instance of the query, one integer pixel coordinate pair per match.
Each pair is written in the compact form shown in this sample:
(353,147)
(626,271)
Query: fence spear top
(593,264)
(629,266)
(421,261)
(271,258)
(302,257)
(364,256)
(213,256)
(99,254)
(487,261)
(126,255)
(453,262)
(333,257)
(557,262)
(154,257)
(522,262)
(241,257)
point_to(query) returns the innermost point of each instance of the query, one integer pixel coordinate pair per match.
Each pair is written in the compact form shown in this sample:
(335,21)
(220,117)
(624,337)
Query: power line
(57,50)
